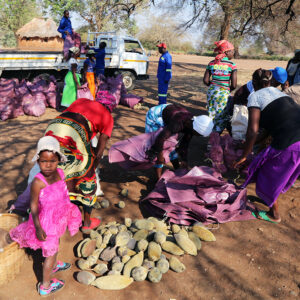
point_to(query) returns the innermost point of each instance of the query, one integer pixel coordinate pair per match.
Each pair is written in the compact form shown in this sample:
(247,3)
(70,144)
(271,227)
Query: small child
(51,213)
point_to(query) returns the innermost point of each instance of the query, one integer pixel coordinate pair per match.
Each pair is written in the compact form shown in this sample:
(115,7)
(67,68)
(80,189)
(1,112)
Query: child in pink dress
(51,214)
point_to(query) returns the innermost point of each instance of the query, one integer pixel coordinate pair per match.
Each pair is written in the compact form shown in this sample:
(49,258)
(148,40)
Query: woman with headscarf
(72,79)
(277,167)
(221,77)
(169,129)
(89,69)
(75,129)
(174,119)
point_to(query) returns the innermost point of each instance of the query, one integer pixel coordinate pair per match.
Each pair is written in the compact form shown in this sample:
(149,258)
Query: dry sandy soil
(250,260)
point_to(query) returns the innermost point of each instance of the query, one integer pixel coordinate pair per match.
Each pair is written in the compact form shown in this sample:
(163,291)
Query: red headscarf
(222,47)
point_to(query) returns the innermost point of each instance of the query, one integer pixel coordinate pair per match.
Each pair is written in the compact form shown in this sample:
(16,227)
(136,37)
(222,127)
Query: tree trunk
(226,25)
(236,51)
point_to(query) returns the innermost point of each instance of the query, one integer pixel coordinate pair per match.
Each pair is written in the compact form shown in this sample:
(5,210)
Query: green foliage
(100,15)
(8,40)
(13,15)
(56,8)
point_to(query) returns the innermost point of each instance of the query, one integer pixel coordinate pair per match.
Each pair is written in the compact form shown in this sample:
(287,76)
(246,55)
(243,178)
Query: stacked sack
(114,89)
(31,98)
(223,152)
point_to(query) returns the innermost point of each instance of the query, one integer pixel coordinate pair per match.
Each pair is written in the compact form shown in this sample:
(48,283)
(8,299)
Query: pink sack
(84,92)
(51,99)
(107,99)
(21,89)
(35,108)
(68,43)
(12,109)
(3,102)
(27,99)
(38,85)
(77,39)
(51,95)
(7,88)
(114,86)
(39,96)
(131,100)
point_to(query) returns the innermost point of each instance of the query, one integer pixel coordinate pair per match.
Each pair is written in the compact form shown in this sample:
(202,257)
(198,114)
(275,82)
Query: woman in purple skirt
(277,167)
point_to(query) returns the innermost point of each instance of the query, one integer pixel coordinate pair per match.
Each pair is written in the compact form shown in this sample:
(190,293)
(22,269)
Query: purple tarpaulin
(130,153)
(200,194)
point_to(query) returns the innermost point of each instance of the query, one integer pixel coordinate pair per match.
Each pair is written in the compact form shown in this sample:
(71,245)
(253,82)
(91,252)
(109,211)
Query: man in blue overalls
(100,59)
(65,25)
(164,72)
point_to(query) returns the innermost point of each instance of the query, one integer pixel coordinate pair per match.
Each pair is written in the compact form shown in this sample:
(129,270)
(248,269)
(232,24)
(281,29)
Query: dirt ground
(250,260)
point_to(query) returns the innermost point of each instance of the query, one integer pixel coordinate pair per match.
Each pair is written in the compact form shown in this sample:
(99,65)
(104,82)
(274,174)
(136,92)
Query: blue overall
(65,25)
(164,74)
(100,61)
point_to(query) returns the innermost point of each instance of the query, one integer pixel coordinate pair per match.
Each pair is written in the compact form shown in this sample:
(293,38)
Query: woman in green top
(221,77)
(72,79)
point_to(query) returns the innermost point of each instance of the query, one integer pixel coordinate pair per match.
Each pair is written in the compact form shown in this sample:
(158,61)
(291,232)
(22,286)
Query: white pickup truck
(124,54)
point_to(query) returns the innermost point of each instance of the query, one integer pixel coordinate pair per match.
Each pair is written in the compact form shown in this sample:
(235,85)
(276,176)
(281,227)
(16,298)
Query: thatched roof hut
(40,34)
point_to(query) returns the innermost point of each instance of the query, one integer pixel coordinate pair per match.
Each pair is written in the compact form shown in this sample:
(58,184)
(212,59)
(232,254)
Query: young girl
(223,80)
(51,213)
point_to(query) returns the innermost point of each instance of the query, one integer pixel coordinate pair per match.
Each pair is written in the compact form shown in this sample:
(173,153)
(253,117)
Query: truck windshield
(132,46)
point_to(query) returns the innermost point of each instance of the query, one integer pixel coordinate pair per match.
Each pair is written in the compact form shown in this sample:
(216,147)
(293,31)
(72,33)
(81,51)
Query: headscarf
(203,125)
(48,143)
(222,47)
(75,50)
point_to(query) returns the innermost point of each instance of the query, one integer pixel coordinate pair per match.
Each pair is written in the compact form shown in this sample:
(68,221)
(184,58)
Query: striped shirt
(221,72)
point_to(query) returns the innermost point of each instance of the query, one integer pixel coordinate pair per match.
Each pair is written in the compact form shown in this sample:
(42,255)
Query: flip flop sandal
(95,222)
(262,215)
(55,286)
(61,266)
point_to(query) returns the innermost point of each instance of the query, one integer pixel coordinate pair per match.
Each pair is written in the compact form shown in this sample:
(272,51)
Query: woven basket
(12,258)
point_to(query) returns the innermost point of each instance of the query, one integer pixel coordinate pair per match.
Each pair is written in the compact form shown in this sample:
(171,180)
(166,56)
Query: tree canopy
(99,15)
(13,15)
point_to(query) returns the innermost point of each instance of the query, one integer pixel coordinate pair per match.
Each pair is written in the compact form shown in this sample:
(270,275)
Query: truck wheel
(128,80)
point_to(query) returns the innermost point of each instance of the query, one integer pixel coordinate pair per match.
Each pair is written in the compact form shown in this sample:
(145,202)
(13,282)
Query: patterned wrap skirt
(217,98)
(74,134)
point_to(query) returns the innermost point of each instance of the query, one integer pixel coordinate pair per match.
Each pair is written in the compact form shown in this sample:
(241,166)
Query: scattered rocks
(155,275)
(139,273)
(121,204)
(112,282)
(133,251)
(104,203)
(124,193)
(176,265)
(85,277)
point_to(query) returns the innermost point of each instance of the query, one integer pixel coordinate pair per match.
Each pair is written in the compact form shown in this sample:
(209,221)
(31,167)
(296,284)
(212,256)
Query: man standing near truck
(164,72)
(100,59)
(65,25)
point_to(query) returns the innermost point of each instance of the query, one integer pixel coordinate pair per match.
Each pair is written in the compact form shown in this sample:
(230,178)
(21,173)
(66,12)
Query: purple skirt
(274,172)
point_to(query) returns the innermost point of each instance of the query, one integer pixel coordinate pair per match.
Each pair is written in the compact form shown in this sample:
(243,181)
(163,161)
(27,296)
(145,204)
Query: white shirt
(74,61)
(264,97)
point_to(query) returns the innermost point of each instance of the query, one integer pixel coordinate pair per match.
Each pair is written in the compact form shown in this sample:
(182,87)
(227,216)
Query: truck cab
(124,55)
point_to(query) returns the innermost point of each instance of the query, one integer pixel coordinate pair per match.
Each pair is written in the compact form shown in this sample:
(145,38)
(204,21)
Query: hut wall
(41,44)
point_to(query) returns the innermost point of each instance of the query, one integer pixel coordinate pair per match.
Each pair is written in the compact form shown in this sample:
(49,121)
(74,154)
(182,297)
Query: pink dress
(56,213)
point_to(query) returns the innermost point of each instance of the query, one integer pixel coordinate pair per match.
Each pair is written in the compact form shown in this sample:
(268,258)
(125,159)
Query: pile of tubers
(133,251)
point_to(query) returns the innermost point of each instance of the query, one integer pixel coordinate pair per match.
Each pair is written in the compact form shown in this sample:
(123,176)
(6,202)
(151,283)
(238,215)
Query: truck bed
(16,51)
